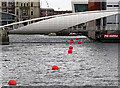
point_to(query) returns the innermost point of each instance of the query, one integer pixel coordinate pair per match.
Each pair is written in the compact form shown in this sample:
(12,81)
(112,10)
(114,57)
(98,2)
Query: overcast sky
(55,4)
(61,4)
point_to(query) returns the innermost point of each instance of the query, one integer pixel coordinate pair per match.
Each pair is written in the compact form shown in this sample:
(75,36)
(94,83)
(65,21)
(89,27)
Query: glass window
(31,4)
(81,7)
(24,12)
(24,3)
(16,3)
(109,5)
(4,10)
(27,3)
(11,11)
(21,4)
(31,12)
(10,3)
(3,3)
(116,5)
(17,12)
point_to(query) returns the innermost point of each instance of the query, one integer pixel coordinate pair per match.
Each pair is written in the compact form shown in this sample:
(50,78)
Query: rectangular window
(31,12)
(3,3)
(17,4)
(31,4)
(27,3)
(109,5)
(17,12)
(11,11)
(21,4)
(81,7)
(24,3)
(24,12)
(10,3)
(4,10)
(116,5)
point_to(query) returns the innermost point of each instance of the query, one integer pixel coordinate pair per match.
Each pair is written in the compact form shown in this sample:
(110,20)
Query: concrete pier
(4,38)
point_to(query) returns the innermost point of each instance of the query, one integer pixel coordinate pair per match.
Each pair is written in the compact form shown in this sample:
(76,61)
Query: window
(24,12)
(11,11)
(17,12)
(10,3)
(21,3)
(4,10)
(31,4)
(31,12)
(81,7)
(3,3)
(116,5)
(109,5)
(27,3)
(24,3)
(17,4)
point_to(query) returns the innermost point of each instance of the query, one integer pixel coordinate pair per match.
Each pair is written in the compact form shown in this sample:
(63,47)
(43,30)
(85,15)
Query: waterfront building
(23,9)
(51,11)
(6,18)
(46,12)
(112,21)
(90,5)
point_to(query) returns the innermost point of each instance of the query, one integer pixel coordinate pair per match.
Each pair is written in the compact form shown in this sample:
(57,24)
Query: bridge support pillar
(92,34)
(4,38)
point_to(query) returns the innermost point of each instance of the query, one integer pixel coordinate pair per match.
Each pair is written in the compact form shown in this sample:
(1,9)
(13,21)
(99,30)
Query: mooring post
(4,38)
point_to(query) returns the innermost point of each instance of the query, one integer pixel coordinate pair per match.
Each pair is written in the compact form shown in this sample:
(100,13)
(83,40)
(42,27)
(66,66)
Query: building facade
(50,11)
(46,12)
(90,5)
(112,21)
(23,9)
(6,18)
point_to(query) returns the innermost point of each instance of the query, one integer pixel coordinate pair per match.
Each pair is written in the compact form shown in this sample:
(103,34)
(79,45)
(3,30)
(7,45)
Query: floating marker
(70,47)
(76,38)
(55,67)
(69,51)
(12,82)
(71,41)
(79,42)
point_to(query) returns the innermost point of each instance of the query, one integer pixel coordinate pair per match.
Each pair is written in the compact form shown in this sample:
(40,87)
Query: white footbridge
(56,23)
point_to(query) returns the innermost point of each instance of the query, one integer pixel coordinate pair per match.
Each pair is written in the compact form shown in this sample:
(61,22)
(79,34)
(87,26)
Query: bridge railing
(17,25)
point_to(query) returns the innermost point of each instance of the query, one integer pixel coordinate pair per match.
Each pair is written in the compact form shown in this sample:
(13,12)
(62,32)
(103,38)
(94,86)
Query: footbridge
(61,23)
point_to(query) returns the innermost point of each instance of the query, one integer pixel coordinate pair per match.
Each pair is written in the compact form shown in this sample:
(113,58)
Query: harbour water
(29,60)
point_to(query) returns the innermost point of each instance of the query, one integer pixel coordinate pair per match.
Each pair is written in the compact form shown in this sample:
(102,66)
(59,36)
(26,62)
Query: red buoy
(70,47)
(55,67)
(12,82)
(79,42)
(71,41)
(76,38)
(69,51)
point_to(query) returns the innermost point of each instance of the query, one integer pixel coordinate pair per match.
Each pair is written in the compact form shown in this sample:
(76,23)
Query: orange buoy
(71,41)
(79,42)
(70,47)
(55,67)
(12,82)
(76,38)
(69,51)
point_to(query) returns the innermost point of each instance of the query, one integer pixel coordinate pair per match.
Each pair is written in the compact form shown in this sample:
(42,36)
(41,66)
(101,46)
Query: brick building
(51,11)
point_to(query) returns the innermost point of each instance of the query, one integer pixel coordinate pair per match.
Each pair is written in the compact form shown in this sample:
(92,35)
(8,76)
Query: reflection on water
(31,63)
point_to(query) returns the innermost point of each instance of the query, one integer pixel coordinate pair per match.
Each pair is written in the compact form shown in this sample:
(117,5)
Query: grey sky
(62,4)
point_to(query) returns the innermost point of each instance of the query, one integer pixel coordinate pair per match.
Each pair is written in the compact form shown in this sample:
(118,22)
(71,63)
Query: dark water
(29,60)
